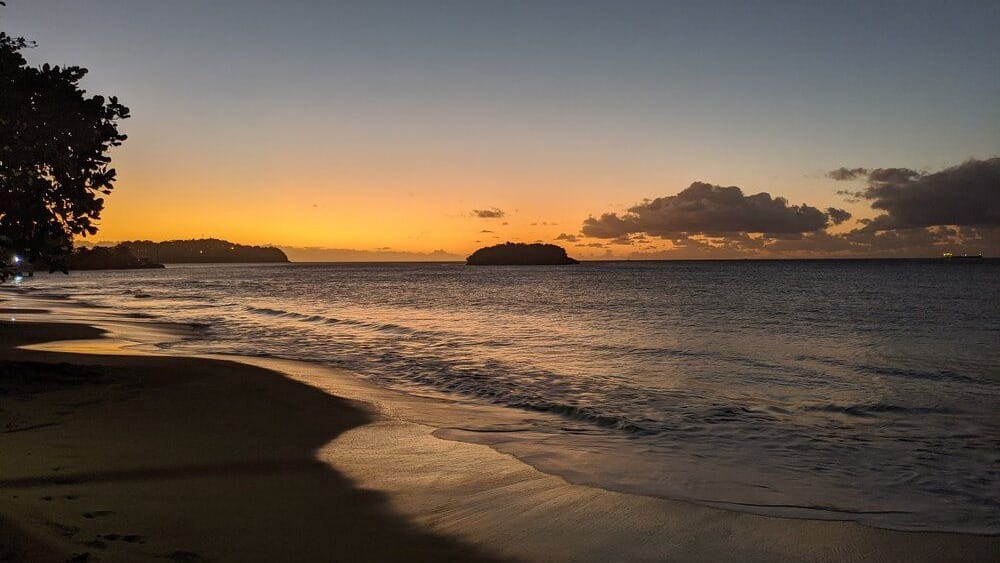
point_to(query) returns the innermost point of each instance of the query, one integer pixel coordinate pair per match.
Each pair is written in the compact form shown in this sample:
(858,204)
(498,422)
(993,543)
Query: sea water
(859,390)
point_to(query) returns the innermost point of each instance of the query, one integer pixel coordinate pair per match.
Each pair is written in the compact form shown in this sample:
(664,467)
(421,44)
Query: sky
(389,128)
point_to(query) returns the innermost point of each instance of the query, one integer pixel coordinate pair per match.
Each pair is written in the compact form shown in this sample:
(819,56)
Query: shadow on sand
(209,457)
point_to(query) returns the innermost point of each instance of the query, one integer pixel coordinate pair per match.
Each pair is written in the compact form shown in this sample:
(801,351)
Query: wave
(587,415)
(875,409)
(138,315)
(321,319)
(941,375)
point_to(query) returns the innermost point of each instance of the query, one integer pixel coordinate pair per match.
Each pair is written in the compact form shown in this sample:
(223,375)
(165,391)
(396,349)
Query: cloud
(707,209)
(847,173)
(491,213)
(567,237)
(837,216)
(921,214)
(902,243)
(484,231)
(873,174)
(892,175)
(851,196)
(965,195)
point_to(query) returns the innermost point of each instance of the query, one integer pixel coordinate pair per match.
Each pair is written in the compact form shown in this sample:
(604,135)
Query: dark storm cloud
(707,209)
(967,194)
(492,213)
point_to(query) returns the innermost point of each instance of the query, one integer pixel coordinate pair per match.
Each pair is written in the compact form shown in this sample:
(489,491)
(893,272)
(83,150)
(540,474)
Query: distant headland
(520,254)
(108,258)
(207,250)
(143,254)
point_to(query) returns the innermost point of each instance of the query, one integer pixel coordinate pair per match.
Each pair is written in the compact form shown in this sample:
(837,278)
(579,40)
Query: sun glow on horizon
(385,128)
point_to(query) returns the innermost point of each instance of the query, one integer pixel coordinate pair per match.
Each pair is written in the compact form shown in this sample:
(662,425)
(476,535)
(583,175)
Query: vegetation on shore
(54,163)
(145,254)
(208,250)
(108,258)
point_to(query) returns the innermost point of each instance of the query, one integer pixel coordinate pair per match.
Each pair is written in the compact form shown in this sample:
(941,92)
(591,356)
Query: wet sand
(132,458)
(139,457)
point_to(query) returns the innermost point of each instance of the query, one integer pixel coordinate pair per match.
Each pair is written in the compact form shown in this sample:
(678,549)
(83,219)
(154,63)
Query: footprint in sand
(64,530)
(49,499)
(130,538)
(183,556)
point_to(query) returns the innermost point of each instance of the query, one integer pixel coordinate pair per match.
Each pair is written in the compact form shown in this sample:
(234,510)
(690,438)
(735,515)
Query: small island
(520,254)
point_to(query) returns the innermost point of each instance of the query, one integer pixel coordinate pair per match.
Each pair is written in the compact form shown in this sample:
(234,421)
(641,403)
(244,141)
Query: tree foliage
(54,163)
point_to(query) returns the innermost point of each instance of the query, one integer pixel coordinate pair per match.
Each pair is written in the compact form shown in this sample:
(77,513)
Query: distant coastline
(203,251)
(141,254)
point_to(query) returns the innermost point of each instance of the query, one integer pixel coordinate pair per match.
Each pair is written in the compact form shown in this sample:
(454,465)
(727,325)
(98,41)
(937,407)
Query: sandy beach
(115,453)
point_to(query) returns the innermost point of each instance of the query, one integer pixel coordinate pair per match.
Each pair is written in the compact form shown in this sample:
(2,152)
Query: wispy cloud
(491,213)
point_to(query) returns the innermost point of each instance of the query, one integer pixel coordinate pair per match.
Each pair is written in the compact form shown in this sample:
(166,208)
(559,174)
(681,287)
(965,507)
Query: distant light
(17,259)
(17,279)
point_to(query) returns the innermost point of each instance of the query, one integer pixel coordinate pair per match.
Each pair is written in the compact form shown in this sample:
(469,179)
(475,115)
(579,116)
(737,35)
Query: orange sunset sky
(384,125)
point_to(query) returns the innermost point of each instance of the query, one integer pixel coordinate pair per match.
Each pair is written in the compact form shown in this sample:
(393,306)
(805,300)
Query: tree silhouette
(54,166)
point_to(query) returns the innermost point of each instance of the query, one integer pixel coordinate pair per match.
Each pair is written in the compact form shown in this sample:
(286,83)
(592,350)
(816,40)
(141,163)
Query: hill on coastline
(202,251)
(520,254)
(108,258)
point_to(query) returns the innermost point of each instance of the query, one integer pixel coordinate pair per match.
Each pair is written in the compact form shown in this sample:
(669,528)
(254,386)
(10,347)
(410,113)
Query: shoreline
(474,499)
(129,457)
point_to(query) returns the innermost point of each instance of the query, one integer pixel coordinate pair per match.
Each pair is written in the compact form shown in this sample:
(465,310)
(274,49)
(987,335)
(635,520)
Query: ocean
(859,390)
